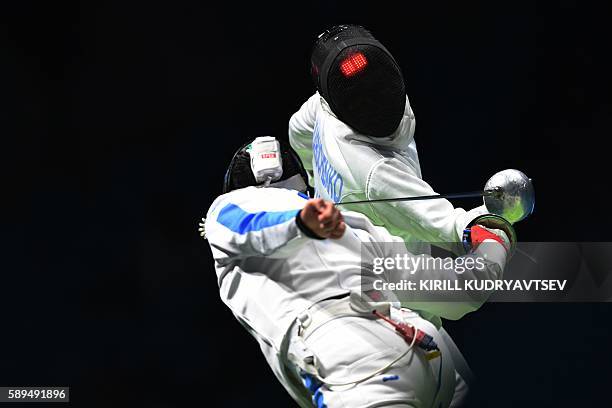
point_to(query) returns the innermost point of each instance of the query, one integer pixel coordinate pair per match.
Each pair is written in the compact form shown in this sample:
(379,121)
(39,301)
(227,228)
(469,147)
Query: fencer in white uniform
(293,290)
(355,136)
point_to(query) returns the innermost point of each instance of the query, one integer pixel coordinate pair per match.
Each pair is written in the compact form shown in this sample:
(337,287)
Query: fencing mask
(359,79)
(267,162)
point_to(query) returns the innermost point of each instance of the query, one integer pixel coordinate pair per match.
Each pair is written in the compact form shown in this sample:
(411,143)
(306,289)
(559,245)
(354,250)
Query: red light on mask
(353,64)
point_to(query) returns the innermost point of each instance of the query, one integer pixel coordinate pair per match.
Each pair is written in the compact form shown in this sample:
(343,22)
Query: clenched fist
(323,218)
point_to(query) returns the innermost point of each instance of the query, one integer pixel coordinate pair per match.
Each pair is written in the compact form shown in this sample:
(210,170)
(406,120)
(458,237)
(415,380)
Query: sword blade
(471,194)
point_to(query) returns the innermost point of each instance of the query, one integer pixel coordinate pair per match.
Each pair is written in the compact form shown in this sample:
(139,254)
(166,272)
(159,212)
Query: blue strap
(241,222)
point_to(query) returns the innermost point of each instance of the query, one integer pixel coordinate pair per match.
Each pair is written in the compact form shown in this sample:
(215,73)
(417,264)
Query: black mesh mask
(240,175)
(359,79)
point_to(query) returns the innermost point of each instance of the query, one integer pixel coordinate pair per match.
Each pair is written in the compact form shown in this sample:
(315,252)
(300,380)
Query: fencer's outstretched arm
(301,128)
(253,222)
(435,221)
(268,222)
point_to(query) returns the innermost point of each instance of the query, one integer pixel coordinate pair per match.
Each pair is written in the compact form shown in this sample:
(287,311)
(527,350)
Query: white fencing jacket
(269,272)
(346,166)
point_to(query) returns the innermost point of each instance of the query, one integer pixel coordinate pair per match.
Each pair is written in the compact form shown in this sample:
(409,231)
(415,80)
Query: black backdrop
(118,119)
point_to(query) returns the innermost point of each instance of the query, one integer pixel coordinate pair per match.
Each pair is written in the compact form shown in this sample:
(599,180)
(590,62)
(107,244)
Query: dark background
(118,119)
